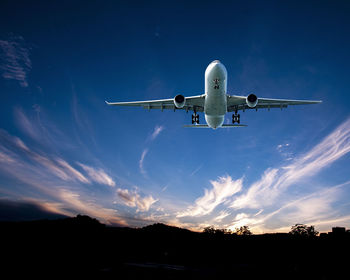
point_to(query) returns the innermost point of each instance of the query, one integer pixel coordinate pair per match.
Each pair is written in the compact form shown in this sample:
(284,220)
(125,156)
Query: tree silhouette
(244,230)
(209,230)
(212,230)
(303,230)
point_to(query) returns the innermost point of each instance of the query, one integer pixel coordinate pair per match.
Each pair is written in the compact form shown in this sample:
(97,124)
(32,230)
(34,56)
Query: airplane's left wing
(191,103)
(235,102)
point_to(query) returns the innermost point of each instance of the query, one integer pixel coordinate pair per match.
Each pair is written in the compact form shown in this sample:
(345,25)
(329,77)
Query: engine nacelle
(251,100)
(179,101)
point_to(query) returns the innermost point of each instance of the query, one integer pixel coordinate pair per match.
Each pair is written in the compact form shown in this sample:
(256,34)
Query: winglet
(107,102)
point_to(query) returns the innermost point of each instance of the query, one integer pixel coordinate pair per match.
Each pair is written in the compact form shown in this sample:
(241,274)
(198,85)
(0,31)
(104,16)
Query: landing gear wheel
(236,118)
(195,119)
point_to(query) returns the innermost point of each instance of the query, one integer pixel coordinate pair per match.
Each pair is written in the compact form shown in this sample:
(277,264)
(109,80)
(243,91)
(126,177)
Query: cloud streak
(98,175)
(72,171)
(15,62)
(157,130)
(134,199)
(222,189)
(26,125)
(143,155)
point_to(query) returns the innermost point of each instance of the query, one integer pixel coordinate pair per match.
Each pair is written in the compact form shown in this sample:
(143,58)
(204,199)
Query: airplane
(215,102)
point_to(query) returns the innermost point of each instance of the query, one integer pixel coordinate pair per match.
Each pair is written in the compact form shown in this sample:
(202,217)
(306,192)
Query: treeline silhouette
(84,247)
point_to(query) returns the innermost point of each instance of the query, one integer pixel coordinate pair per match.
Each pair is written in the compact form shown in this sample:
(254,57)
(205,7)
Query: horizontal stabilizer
(197,125)
(234,125)
(206,126)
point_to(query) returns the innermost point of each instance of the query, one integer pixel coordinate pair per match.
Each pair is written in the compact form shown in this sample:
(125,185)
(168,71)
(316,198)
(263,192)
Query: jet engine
(179,101)
(251,100)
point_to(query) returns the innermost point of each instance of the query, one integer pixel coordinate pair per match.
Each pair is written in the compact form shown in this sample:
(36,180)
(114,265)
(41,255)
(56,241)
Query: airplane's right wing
(191,103)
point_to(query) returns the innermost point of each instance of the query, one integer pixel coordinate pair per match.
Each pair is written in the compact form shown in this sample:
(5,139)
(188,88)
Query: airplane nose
(218,67)
(215,66)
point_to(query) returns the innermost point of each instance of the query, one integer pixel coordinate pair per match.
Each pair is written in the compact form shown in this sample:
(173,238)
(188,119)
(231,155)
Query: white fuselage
(215,104)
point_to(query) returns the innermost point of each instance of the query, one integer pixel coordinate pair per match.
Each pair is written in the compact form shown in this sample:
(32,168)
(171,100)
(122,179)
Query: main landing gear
(236,118)
(195,117)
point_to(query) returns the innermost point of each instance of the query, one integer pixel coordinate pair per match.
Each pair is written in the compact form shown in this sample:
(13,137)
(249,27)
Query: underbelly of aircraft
(214,121)
(215,104)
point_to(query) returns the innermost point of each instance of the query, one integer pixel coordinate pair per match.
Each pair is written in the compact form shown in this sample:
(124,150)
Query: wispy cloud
(244,219)
(143,155)
(313,207)
(98,175)
(20,155)
(15,63)
(21,144)
(134,199)
(6,158)
(259,193)
(196,170)
(37,125)
(57,166)
(222,215)
(157,130)
(222,189)
(51,166)
(72,171)
(25,124)
(82,122)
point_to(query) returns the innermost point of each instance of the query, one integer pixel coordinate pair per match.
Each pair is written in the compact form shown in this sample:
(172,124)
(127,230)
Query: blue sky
(64,150)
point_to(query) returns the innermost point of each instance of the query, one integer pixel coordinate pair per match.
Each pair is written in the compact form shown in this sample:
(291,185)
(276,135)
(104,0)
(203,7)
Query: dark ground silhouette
(83,247)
